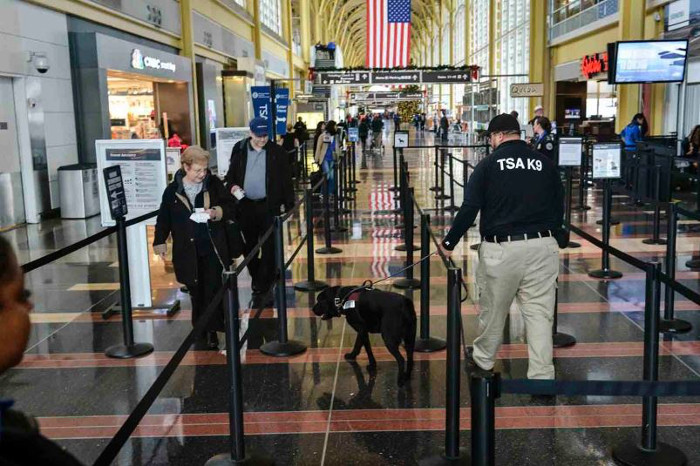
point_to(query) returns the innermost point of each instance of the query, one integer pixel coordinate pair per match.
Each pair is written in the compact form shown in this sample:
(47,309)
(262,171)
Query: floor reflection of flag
(381,199)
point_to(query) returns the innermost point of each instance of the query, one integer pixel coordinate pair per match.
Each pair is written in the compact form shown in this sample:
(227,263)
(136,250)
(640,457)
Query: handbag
(234,238)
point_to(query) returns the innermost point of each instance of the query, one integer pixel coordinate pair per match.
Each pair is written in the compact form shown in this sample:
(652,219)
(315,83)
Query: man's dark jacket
(191,239)
(278,178)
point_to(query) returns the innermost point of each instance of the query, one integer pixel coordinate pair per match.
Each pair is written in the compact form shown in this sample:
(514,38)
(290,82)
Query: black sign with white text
(430,77)
(115,191)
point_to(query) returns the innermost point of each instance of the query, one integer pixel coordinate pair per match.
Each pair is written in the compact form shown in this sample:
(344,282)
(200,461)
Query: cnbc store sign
(140,61)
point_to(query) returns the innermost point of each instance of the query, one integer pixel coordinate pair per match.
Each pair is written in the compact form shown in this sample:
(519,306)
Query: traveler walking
(520,196)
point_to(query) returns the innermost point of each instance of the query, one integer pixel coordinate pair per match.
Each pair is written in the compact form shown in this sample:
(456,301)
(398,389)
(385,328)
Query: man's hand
(445,251)
(235,188)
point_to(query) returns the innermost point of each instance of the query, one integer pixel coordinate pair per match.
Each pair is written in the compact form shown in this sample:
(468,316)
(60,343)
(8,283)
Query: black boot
(212,341)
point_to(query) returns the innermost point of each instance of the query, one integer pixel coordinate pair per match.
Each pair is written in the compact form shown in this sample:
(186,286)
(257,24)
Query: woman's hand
(235,188)
(211,212)
(161,250)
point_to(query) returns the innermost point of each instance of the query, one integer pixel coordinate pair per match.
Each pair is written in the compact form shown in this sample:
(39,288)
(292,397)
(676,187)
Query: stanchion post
(436,186)
(669,324)
(237,454)
(605,272)
(282,346)
(453,455)
(650,452)
(656,225)
(484,388)
(398,197)
(337,227)
(442,196)
(129,349)
(582,183)
(425,343)
(310,284)
(396,173)
(328,248)
(408,283)
(452,207)
(353,167)
(559,340)
(569,199)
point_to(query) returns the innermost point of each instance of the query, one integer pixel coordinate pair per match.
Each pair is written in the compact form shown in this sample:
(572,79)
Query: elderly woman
(200,249)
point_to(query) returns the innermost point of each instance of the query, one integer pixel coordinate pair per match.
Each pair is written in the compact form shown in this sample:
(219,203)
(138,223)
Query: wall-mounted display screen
(653,61)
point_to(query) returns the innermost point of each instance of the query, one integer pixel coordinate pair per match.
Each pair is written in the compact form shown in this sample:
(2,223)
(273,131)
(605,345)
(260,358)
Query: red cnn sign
(592,65)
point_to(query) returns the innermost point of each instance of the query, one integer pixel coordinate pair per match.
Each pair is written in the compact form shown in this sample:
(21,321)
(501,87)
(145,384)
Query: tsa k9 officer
(521,200)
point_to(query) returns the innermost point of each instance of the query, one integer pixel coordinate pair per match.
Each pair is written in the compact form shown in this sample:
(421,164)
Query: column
(451,12)
(631,27)
(257,35)
(305,26)
(290,53)
(539,57)
(188,51)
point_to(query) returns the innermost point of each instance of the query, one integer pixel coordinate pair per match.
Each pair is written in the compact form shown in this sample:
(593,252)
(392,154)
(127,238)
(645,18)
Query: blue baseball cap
(258,126)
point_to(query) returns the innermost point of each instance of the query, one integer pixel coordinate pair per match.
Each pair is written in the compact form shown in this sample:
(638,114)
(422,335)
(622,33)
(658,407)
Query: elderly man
(260,180)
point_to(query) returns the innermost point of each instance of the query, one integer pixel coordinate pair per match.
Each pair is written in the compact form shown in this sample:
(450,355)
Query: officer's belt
(520,237)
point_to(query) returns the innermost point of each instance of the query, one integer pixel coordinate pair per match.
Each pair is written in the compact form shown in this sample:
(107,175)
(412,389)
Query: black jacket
(545,146)
(191,239)
(278,179)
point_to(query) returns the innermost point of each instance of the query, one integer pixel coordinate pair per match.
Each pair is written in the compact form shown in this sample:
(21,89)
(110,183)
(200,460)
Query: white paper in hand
(200,217)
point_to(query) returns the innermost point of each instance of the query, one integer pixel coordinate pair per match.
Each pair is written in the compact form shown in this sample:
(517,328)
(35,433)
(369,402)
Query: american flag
(388,33)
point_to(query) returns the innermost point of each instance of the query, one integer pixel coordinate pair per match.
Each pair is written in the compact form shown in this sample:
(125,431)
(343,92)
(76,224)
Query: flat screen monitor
(651,61)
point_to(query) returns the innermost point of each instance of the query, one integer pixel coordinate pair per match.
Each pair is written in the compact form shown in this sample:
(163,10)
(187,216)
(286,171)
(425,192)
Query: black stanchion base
(435,188)
(345,211)
(580,208)
(407,284)
(402,247)
(654,241)
(395,189)
(573,245)
(563,340)
(635,455)
(442,196)
(430,345)
(351,189)
(251,459)
(451,208)
(288,348)
(398,210)
(613,221)
(338,229)
(474,247)
(355,182)
(693,264)
(441,460)
(128,352)
(674,326)
(310,285)
(605,274)
(329,250)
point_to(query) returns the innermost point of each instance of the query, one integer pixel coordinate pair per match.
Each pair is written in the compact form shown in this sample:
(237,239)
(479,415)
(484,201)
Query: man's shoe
(212,341)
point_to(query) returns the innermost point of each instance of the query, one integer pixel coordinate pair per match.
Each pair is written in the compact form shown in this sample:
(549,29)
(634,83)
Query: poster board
(570,152)
(400,139)
(606,161)
(353,134)
(225,139)
(142,164)
(172,160)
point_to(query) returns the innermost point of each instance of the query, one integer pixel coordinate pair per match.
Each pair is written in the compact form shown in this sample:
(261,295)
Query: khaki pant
(527,272)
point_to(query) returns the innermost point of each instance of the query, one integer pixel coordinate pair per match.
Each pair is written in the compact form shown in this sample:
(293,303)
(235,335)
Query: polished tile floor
(316,408)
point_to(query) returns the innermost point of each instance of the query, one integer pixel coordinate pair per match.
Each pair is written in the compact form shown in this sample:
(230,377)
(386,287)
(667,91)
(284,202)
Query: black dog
(373,311)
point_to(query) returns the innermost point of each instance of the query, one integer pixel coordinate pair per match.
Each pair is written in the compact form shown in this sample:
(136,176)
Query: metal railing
(579,14)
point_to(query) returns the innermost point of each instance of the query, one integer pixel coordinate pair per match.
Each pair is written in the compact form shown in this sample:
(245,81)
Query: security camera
(41,63)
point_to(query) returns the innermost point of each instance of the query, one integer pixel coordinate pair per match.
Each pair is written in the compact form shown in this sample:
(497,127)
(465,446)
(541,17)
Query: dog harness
(347,302)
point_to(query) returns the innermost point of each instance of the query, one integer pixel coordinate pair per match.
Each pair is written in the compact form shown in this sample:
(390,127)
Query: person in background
(21,442)
(543,142)
(260,180)
(514,114)
(200,250)
(634,131)
(444,127)
(423,119)
(397,121)
(327,154)
(363,132)
(377,128)
(299,126)
(691,144)
(290,143)
(539,112)
(331,50)
(320,127)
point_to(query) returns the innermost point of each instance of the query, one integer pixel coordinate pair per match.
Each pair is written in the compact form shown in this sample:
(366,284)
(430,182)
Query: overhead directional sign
(344,77)
(360,77)
(451,76)
(375,96)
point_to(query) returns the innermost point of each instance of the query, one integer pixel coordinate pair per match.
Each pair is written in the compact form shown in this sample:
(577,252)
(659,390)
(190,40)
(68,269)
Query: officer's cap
(503,123)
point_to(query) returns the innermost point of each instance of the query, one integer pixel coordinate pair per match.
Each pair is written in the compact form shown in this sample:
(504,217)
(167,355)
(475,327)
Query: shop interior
(586,107)
(141,107)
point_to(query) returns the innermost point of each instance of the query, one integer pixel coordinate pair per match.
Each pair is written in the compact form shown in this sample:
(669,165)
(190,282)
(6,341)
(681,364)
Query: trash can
(79,195)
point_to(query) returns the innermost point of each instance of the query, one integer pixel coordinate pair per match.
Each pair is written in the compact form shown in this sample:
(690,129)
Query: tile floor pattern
(316,408)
